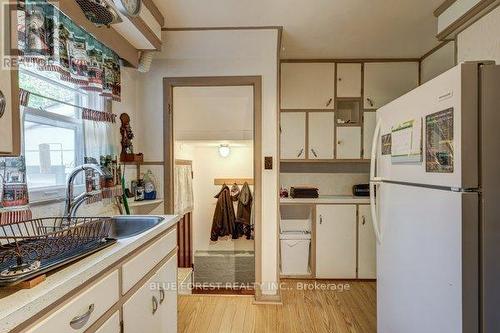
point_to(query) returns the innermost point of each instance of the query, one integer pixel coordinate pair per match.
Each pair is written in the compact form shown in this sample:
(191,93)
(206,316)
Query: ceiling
(321,28)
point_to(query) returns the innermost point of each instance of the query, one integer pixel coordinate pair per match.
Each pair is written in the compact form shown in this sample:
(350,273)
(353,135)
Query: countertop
(328,199)
(17,307)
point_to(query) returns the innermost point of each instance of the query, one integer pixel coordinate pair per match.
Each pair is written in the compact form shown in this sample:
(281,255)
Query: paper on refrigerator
(407,142)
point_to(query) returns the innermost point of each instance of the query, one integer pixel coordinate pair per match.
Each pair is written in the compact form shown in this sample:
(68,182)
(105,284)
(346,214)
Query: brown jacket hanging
(223,223)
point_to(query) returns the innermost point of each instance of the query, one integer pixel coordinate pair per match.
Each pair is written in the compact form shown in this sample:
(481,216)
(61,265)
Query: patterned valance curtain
(51,41)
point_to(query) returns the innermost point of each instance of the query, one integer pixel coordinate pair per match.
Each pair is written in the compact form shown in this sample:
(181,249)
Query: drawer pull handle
(300,152)
(329,102)
(364,220)
(370,101)
(155,305)
(321,219)
(314,152)
(162,295)
(80,321)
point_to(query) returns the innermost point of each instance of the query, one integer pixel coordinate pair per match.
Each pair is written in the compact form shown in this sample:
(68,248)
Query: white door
(336,241)
(307,85)
(168,296)
(384,82)
(367,257)
(293,135)
(369,123)
(348,142)
(349,80)
(321,135)
(112,325)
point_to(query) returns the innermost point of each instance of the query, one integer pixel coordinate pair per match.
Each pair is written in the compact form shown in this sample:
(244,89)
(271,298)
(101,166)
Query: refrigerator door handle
(374,181)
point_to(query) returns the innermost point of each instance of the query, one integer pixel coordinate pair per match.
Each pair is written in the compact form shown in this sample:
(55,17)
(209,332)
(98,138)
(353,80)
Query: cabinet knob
(80,321)
(339,142)
(155,304)
(340,79)
(321,219)
(363,220)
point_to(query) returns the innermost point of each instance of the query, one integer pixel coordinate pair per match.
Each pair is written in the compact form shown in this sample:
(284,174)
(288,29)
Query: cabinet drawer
(112,325)
(88,307)
(140,265)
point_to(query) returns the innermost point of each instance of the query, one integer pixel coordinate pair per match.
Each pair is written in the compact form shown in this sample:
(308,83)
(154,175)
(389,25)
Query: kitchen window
(53,131)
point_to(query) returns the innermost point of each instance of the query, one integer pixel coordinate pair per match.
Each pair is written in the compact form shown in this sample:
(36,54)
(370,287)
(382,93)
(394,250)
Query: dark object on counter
(361,190)
(304,192)
(283,193)
(41,245)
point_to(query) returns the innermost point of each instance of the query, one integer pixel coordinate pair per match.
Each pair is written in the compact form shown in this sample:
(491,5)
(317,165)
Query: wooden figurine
(127,153)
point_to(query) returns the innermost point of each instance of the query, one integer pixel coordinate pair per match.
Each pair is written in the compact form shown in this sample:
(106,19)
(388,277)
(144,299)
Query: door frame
(169,83)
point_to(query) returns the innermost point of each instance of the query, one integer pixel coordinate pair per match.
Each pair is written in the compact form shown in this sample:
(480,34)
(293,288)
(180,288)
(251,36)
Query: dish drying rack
(31,247)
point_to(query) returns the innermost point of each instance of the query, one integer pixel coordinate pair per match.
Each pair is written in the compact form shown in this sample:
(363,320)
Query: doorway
(212,131)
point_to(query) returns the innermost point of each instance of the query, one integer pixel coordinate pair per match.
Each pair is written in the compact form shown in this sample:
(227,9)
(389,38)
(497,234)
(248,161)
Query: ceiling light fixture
(224,150)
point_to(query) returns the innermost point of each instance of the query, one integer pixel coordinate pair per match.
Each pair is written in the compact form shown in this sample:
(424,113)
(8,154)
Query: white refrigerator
(435,197)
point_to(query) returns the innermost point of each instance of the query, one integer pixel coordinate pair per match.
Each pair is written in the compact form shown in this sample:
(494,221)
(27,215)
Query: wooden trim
(350,60)
(474,14)
(443,7)
(183,162)
(150,5)
(56,305)
(325,161)
(436,48)
(230,181)
(146,31)
(277,164)
(168,142)
(270,27)
(108,36)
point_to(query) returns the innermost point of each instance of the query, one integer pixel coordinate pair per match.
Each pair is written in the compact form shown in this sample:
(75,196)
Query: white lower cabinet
(336,241)
(83,310)
(153,307)
(112,325)
(367,256)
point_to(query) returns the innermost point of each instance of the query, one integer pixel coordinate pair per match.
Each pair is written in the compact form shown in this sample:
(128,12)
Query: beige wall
(438,62)
(481,41)
(221,53)
(328,183)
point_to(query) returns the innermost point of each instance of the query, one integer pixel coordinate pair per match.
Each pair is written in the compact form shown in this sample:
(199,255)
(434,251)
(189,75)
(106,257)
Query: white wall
(207,165)
(328,183)
(438,62)
(481,41)
(221,53)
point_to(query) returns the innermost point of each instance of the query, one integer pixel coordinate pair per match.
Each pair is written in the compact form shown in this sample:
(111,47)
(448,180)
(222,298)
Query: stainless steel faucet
(72,204)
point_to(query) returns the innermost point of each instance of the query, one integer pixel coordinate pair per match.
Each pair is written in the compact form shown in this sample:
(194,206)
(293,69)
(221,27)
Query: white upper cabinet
(321,135)
(293,135)
(349,142)
(384,82)
(369,123)
(367,258)
(348,80)
(307,85)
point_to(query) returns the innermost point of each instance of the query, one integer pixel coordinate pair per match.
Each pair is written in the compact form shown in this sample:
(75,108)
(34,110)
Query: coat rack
(231,181)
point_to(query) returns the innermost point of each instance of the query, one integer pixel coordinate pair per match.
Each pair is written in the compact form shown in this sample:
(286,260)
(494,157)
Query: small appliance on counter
(304,192)
(361,190)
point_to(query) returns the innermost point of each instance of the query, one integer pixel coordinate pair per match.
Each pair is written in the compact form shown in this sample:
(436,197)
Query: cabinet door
(321,135)
(384,82)
(9,97)
(367,257)
(307,85)
(293,135)
(336,241)
(349,142)
(348,80)
(168,296)
(369,123)
(112,325)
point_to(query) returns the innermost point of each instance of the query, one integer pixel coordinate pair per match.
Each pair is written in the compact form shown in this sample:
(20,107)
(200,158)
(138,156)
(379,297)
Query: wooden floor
(302,311)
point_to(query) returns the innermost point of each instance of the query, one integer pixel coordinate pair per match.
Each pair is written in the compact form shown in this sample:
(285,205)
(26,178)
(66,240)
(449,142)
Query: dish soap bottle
(149,186)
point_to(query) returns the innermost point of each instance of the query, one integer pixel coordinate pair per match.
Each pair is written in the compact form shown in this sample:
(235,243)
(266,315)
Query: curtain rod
(62,102)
